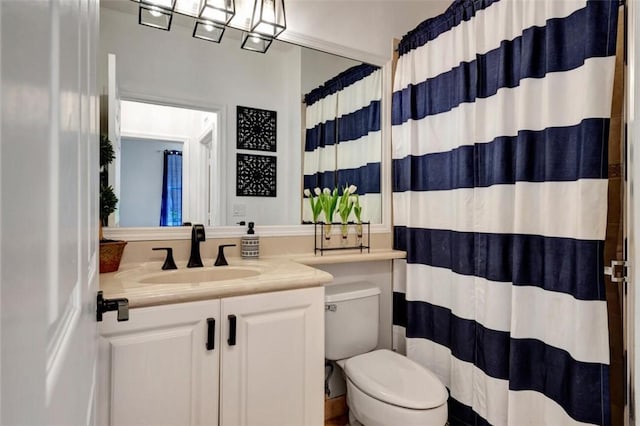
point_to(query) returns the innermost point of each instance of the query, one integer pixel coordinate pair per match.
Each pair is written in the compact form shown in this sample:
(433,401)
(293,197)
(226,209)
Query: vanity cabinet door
(274,373)
(156,369)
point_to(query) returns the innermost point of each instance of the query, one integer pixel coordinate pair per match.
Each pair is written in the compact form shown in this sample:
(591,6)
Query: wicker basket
(110,255)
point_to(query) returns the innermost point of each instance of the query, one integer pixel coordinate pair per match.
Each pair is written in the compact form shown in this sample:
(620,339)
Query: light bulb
(155,12)
(254,39)
(208,27)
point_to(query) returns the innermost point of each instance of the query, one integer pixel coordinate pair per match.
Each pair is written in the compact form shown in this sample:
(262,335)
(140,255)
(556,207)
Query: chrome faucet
(197,235)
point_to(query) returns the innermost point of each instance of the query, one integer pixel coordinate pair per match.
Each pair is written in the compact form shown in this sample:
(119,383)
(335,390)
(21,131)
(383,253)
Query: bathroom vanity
(236,352)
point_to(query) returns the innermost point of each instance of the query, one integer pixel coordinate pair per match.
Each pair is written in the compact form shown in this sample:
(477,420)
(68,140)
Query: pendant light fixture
(188,7)
(255,42)
(212,17)
(219,11)
(207,30)
(155,16)
(167,5)
(268,18)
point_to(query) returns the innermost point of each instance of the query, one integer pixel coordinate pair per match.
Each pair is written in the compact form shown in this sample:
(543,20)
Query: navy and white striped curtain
(343,137)
(171,204)
(500,128)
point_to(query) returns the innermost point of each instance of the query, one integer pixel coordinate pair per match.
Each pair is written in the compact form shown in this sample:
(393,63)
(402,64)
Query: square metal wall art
(256,129)
(256,175)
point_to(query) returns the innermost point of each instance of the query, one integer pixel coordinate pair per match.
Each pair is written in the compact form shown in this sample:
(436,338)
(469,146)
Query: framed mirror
(173,69)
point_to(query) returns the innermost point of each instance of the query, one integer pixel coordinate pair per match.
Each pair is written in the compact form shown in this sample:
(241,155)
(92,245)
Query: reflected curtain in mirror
(343,137)
(171,207)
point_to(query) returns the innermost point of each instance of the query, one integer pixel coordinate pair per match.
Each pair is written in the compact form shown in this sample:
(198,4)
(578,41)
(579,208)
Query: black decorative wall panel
(256,129)
(256,175)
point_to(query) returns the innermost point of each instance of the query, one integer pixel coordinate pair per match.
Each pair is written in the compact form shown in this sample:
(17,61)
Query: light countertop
(272,274)
(332,257)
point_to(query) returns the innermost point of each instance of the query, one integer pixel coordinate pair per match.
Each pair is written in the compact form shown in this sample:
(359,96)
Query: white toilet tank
(350,319)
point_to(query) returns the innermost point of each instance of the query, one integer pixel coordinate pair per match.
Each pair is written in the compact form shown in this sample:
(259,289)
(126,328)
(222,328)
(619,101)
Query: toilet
(383,388)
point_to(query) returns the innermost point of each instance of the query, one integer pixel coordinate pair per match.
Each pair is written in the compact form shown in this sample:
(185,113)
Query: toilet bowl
(384,388)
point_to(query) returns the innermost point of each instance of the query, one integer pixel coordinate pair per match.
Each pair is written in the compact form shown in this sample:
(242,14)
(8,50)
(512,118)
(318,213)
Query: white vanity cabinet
(156,368)
(274,374)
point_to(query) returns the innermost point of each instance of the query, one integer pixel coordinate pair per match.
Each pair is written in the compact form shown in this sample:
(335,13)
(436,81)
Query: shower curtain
(171,205)
(343,137)
(500,125)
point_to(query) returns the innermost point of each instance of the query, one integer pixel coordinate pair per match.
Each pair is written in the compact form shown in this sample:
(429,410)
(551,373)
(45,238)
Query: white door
(632,213)
(113,131)
(161,366)
(272,374)
(48,215)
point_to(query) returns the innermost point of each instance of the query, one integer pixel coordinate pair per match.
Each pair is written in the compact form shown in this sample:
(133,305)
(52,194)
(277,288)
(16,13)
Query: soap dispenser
(250,244)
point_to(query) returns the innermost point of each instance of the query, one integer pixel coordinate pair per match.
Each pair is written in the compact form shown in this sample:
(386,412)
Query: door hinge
(618,271)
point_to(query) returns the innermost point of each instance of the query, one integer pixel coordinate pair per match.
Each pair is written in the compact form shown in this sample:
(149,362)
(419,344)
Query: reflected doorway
(147,130)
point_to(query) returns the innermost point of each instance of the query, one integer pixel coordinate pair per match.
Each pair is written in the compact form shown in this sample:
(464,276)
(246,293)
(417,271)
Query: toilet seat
(395,379)
(373,412)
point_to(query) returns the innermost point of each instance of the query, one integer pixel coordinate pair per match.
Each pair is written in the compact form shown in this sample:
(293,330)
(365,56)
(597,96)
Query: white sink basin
(200,275)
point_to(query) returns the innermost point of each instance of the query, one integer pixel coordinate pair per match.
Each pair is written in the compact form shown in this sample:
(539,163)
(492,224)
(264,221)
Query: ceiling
(366,25)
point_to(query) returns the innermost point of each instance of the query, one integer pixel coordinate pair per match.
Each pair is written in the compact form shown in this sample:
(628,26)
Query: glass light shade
(255,42)
(163,4)
(268,18)
(188,7)
(209,31)
(220,11)
(156,17)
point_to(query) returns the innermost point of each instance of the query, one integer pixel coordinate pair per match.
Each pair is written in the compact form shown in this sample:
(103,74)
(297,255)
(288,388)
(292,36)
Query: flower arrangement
(345,206)
(329,201)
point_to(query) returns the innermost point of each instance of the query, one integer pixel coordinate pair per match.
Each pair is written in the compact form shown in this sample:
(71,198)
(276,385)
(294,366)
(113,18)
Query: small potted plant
(110,250)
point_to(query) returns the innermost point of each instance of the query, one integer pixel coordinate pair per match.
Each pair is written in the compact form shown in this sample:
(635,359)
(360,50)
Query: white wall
(159,65)
(365,25)
(318,67)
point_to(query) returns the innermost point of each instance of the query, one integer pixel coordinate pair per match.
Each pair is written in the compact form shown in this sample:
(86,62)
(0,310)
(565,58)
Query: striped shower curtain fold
(343,137)
(500,120)
(171,203)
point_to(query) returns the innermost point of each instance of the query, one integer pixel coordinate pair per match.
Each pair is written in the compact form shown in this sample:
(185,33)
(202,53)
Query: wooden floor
(336,411)
(337,421)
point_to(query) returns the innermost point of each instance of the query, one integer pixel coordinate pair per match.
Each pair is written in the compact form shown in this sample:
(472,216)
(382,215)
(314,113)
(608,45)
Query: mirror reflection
(206,83)
(166,163)
(343,139)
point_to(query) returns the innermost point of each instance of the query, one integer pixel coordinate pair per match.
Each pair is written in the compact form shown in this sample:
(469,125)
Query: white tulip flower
(352,189)
(326,191)
(307,193)
(317,191)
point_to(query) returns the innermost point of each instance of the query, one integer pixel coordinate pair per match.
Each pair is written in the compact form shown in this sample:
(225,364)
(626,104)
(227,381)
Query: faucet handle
(221,260)
(169,263)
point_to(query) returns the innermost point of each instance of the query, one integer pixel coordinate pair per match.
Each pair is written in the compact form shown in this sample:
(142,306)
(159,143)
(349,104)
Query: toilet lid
(395,379)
